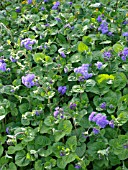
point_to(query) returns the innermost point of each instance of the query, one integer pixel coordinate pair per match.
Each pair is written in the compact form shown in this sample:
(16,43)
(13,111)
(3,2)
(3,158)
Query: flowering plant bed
(63,85)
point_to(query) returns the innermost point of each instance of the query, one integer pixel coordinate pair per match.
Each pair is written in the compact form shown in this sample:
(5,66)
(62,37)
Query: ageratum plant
(63,85)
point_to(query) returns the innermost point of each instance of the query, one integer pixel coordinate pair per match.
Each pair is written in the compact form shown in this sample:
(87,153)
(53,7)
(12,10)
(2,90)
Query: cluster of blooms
(2,65)
(125,22)
(77,166)
(124,54)
(95,131)
(63,55)
(29,1)
(100,120)
(125,34)
(42,8)
(18,10)
(58,19)
(62,89)
(99,65)
(84,71)
(46,1)
(69,26)
(56,5)
(103,26)
(58,111)
(103,105)
(107,54)
(13,59)
(28,80)
(27,43)
(72,106)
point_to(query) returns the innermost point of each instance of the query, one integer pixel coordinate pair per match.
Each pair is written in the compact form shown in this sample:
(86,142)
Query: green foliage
(78,68)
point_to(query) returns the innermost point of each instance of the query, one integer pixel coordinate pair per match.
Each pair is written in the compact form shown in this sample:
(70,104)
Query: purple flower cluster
(125,34)
(27,43)
(84,71)
(124,54)
(58,19)
(107,54)
(70,3)
(56,5)
(100,120)
(29,1)
(103,26)
(13,59)
(125,22)
(77,166)
(46,1)
(2,65)
(63,55)
(42,8)
(103,105)
(58,111)
(72,106)
(99,65)
(62,89)
(18,10)
(99,18)
(96,131)
(28,80)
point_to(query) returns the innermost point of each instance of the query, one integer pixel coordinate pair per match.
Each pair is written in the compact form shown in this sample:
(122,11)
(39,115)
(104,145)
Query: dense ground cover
(63,85)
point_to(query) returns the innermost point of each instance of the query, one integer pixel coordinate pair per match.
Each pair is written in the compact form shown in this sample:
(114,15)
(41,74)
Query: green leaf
(82,47)
(61,39)
(38,165)
(85,58)
(38,57)
(72,143)
(42,140)
(11,150)
(58,135)
(81,150)
(117,48)
(65,126)
(1,150)
(122,118)
(49,121)
(44,152)
(61,163)
(75,58)
(77,89)
(96,5)
(23,107)
(12,166)
(106,42)
(20,159)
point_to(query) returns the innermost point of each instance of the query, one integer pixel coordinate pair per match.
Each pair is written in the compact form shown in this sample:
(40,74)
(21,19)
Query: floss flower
(107,54)
(2,65)
(29,1)
(103,27)
(72,106)
(99,19)
(99,65)
(63,55)
(96,131)
(27,43)
(84,71)
(56,5)
(28,80)
(100,120)
(62,90)
(124,54)
(103,105)
(125,34)
(58,111)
